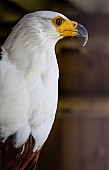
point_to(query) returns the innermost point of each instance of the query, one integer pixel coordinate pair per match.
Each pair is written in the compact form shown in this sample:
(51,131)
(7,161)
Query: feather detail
(23,158)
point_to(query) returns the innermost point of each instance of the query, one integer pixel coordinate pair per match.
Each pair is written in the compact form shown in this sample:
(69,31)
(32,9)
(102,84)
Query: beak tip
(82,32)
(86,40)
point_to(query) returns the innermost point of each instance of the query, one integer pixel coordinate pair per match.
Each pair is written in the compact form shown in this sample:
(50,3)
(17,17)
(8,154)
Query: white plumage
(29,79)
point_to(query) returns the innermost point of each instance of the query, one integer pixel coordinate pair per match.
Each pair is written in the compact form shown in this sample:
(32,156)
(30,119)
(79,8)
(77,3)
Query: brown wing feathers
(20,158)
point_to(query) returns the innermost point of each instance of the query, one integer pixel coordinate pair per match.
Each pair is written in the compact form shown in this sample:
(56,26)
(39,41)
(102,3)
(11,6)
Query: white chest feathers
(28,101)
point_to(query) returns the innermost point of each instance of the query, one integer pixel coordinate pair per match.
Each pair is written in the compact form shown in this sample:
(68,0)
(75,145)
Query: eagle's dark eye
(58,21)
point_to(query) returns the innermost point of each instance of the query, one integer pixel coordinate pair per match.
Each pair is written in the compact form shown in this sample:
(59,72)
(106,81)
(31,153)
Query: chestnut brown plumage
(12,158)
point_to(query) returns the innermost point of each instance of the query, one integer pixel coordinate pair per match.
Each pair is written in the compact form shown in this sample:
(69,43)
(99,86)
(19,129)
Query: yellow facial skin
(65,27)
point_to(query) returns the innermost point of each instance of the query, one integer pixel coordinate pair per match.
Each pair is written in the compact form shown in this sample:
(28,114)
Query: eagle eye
(59,21)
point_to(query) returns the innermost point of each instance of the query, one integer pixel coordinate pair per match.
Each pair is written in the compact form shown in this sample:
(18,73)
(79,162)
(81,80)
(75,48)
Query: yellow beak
(72,28)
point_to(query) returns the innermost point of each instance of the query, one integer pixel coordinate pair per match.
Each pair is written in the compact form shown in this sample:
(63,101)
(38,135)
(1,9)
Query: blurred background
(79,139)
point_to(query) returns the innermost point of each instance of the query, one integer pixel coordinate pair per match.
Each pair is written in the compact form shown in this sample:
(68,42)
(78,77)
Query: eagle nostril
(74,24)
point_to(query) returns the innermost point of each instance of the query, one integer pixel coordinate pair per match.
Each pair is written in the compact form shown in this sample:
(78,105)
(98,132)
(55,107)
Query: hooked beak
(81,31)
(71,28)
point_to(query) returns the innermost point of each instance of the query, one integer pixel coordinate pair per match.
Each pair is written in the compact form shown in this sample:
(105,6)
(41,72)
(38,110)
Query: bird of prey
(29,85)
